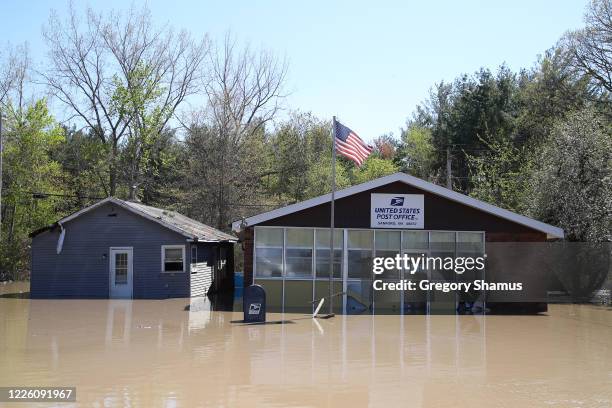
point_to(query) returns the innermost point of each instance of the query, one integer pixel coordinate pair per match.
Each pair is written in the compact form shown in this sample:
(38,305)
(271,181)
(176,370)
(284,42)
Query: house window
(173,258)
(194,254)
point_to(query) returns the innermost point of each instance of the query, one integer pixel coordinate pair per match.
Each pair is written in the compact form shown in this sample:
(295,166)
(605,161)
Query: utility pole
(449,175)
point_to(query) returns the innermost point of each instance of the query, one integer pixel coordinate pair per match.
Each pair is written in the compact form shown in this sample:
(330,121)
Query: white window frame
(163,257)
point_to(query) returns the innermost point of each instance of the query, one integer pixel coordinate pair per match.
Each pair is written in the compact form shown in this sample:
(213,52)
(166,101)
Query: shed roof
(550,230)
(172,220)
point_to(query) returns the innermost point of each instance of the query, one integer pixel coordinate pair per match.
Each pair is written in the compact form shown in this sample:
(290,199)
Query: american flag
(350,145)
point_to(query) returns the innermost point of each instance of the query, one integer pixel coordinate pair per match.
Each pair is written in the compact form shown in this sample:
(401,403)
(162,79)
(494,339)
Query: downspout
(60,240)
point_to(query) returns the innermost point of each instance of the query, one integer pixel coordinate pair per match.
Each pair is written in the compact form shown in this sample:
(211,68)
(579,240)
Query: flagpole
(331,229)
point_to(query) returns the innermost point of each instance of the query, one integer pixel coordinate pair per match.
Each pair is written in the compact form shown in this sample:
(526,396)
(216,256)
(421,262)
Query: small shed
(124,249)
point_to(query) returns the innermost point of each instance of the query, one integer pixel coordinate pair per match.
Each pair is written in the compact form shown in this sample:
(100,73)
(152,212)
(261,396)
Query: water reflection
(182,352)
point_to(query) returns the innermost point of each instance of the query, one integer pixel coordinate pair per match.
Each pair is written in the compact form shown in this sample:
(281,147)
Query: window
(360,254)
(194,254)
(121,268)
(470,242)
(298,252)
(268,252)
(415,240)
(388,246)
(322,248)
(173,258)
(442,241)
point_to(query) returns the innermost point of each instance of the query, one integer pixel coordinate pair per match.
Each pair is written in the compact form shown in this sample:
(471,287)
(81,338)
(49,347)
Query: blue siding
(81,270)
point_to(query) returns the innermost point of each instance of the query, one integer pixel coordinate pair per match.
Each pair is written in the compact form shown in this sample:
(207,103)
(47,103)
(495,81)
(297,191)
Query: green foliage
(320,177)
(139,100)
(373,168)
(572,187)
(501,175)
(295,153)
(28,168)
(417,154)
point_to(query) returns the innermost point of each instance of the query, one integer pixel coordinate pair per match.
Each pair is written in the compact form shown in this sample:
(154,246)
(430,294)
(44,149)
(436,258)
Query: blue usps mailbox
(254,304)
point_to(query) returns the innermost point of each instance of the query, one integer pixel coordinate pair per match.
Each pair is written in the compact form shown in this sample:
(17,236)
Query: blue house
(124,249)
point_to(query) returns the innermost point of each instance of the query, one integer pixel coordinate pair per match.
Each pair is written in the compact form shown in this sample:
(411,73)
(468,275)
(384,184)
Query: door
(121,273)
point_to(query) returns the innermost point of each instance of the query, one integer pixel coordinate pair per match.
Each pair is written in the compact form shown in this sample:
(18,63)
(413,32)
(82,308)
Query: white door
(121,273)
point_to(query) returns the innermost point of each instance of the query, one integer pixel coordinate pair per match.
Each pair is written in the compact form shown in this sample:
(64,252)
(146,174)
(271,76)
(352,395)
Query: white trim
(550,230)
(163,257)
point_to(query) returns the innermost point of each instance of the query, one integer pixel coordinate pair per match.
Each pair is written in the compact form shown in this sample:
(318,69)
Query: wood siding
(201,278)
(440,213)
(354,212)
(81,270)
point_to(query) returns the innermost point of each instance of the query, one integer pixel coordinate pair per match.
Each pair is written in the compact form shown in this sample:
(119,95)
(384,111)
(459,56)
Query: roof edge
(129,208)
(550,230)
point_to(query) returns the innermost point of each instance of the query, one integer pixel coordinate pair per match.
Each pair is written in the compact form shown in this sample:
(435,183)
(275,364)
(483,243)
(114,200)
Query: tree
(91,63)
(573,186)
(296,147)
(226,139)
(417,154)
(30,135)
(320,177)
(386,146)
(501,176)
(373,167)
(590,48)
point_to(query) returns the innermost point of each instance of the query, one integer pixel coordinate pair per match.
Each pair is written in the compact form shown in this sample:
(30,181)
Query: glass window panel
(299,237)
(442,241)
(274,294)
(358,297)
(121,268)
(470,242)
(322,248)
(436,267)
(322,238)
(298,252)
(194,254)
(298,262)
(415,239)
(269,262)
(360,254)
(268,237)
(173,255)
(359,264)
(360,239)
(323,263)
(392,274)
(322,290)
(388,240)
(298,296)
(173,266)
(387,301)
(173,259)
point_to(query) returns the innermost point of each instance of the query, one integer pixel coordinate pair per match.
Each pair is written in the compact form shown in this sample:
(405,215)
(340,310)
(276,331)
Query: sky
(369,63)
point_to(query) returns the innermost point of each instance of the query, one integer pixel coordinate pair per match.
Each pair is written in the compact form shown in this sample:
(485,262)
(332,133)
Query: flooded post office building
(287,250)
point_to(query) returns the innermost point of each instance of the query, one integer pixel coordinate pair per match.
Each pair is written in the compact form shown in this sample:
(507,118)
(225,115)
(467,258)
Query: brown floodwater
(171,353)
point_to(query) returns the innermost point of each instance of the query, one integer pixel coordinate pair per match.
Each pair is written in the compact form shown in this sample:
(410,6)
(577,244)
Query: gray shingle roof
(188,226)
